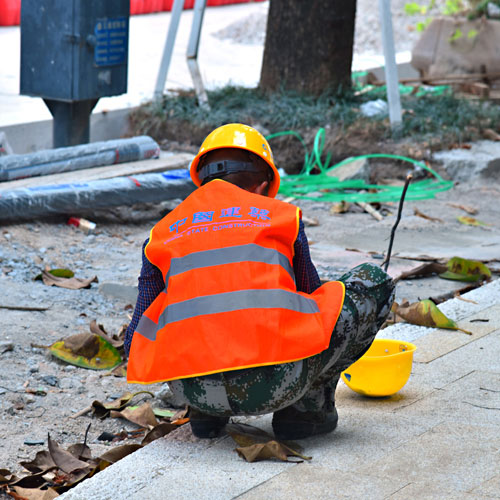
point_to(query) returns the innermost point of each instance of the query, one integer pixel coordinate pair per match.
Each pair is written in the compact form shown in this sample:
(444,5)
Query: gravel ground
(368,41)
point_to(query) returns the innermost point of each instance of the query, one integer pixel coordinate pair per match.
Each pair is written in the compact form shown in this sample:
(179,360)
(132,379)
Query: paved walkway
(438,438)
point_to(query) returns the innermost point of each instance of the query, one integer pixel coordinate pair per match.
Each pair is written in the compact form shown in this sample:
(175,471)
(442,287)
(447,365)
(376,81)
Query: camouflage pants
(304,383)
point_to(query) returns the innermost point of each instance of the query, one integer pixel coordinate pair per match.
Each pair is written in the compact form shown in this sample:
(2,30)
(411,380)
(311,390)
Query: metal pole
(391,70)
(192,52)
(169,46)
(71,121)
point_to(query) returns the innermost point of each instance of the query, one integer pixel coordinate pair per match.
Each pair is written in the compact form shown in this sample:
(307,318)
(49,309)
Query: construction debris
(80,157)
(69,198)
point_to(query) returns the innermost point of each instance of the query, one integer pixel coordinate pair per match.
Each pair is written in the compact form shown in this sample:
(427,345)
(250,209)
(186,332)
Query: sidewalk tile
(439,342)
(312,481)
(460,457)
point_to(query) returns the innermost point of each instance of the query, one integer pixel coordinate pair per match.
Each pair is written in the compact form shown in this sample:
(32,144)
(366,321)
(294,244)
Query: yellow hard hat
(237,135)
(383,370)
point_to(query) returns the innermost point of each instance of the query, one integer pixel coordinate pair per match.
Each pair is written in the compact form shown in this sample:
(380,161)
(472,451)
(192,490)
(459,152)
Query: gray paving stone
(439,342)
(312,481)
(461,457)
(488,489)
(431,491)
(413,391)
(363,436)
(483,353)
(473,399)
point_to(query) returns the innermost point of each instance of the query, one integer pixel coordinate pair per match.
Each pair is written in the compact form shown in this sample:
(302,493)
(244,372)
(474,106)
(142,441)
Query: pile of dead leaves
(56,470)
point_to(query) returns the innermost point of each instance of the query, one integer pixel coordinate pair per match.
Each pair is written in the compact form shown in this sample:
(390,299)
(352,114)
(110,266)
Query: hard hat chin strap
(225,167)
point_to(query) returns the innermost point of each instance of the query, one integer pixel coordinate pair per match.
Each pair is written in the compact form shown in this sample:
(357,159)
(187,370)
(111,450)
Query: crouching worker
(230,309)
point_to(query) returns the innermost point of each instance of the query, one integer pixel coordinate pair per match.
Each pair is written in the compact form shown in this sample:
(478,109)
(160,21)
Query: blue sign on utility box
(111,41)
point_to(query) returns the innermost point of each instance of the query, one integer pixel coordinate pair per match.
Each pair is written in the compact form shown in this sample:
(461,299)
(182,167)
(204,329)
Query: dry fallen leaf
(256,444)
(426,313)
(422,271)
(64,460)
(57,470)
(466,208)
(102,410)
(115,340)
(71,283)
(470,221)
(263,451)
(459,269)
(112,456)
(35,493)
(159,431)
(418,213)
(340,207)
(142,415)
(86,350)
(490,134)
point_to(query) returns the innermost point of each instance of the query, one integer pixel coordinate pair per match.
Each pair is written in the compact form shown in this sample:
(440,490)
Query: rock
(118,291)
(482,159)
(356,169)
(92,379)
(6,347)
(51,380)
(29,399)
(70,383)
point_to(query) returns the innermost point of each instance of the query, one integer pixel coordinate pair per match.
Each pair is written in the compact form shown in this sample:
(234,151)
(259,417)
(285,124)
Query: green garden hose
(324,186)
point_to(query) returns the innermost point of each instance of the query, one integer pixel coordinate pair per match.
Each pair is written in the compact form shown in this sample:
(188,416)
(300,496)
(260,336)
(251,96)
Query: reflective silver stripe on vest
(226,302)
(229,255)
(147,328)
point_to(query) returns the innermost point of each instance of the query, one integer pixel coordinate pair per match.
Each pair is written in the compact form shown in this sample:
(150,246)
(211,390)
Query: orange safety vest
(230,299)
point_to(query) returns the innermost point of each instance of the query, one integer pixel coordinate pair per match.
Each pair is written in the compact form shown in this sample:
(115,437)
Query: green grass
(237,104)
(428,116)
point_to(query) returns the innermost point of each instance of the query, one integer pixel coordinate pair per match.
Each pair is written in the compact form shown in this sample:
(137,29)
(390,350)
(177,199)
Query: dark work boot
(206,426)
(290,423)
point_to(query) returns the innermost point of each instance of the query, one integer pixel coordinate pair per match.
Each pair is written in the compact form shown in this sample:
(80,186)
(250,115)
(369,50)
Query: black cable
(398,218)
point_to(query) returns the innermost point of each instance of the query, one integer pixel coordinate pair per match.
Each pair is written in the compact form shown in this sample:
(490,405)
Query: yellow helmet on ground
(237,135)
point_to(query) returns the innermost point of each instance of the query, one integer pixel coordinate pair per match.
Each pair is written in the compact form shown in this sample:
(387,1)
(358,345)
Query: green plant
(471,9)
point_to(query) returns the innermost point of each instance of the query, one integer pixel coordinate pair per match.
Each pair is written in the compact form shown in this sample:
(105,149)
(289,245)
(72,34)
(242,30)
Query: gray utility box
(74,50)
(72,53)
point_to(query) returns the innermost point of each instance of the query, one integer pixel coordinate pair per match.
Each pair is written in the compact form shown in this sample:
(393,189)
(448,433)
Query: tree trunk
(308,45)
